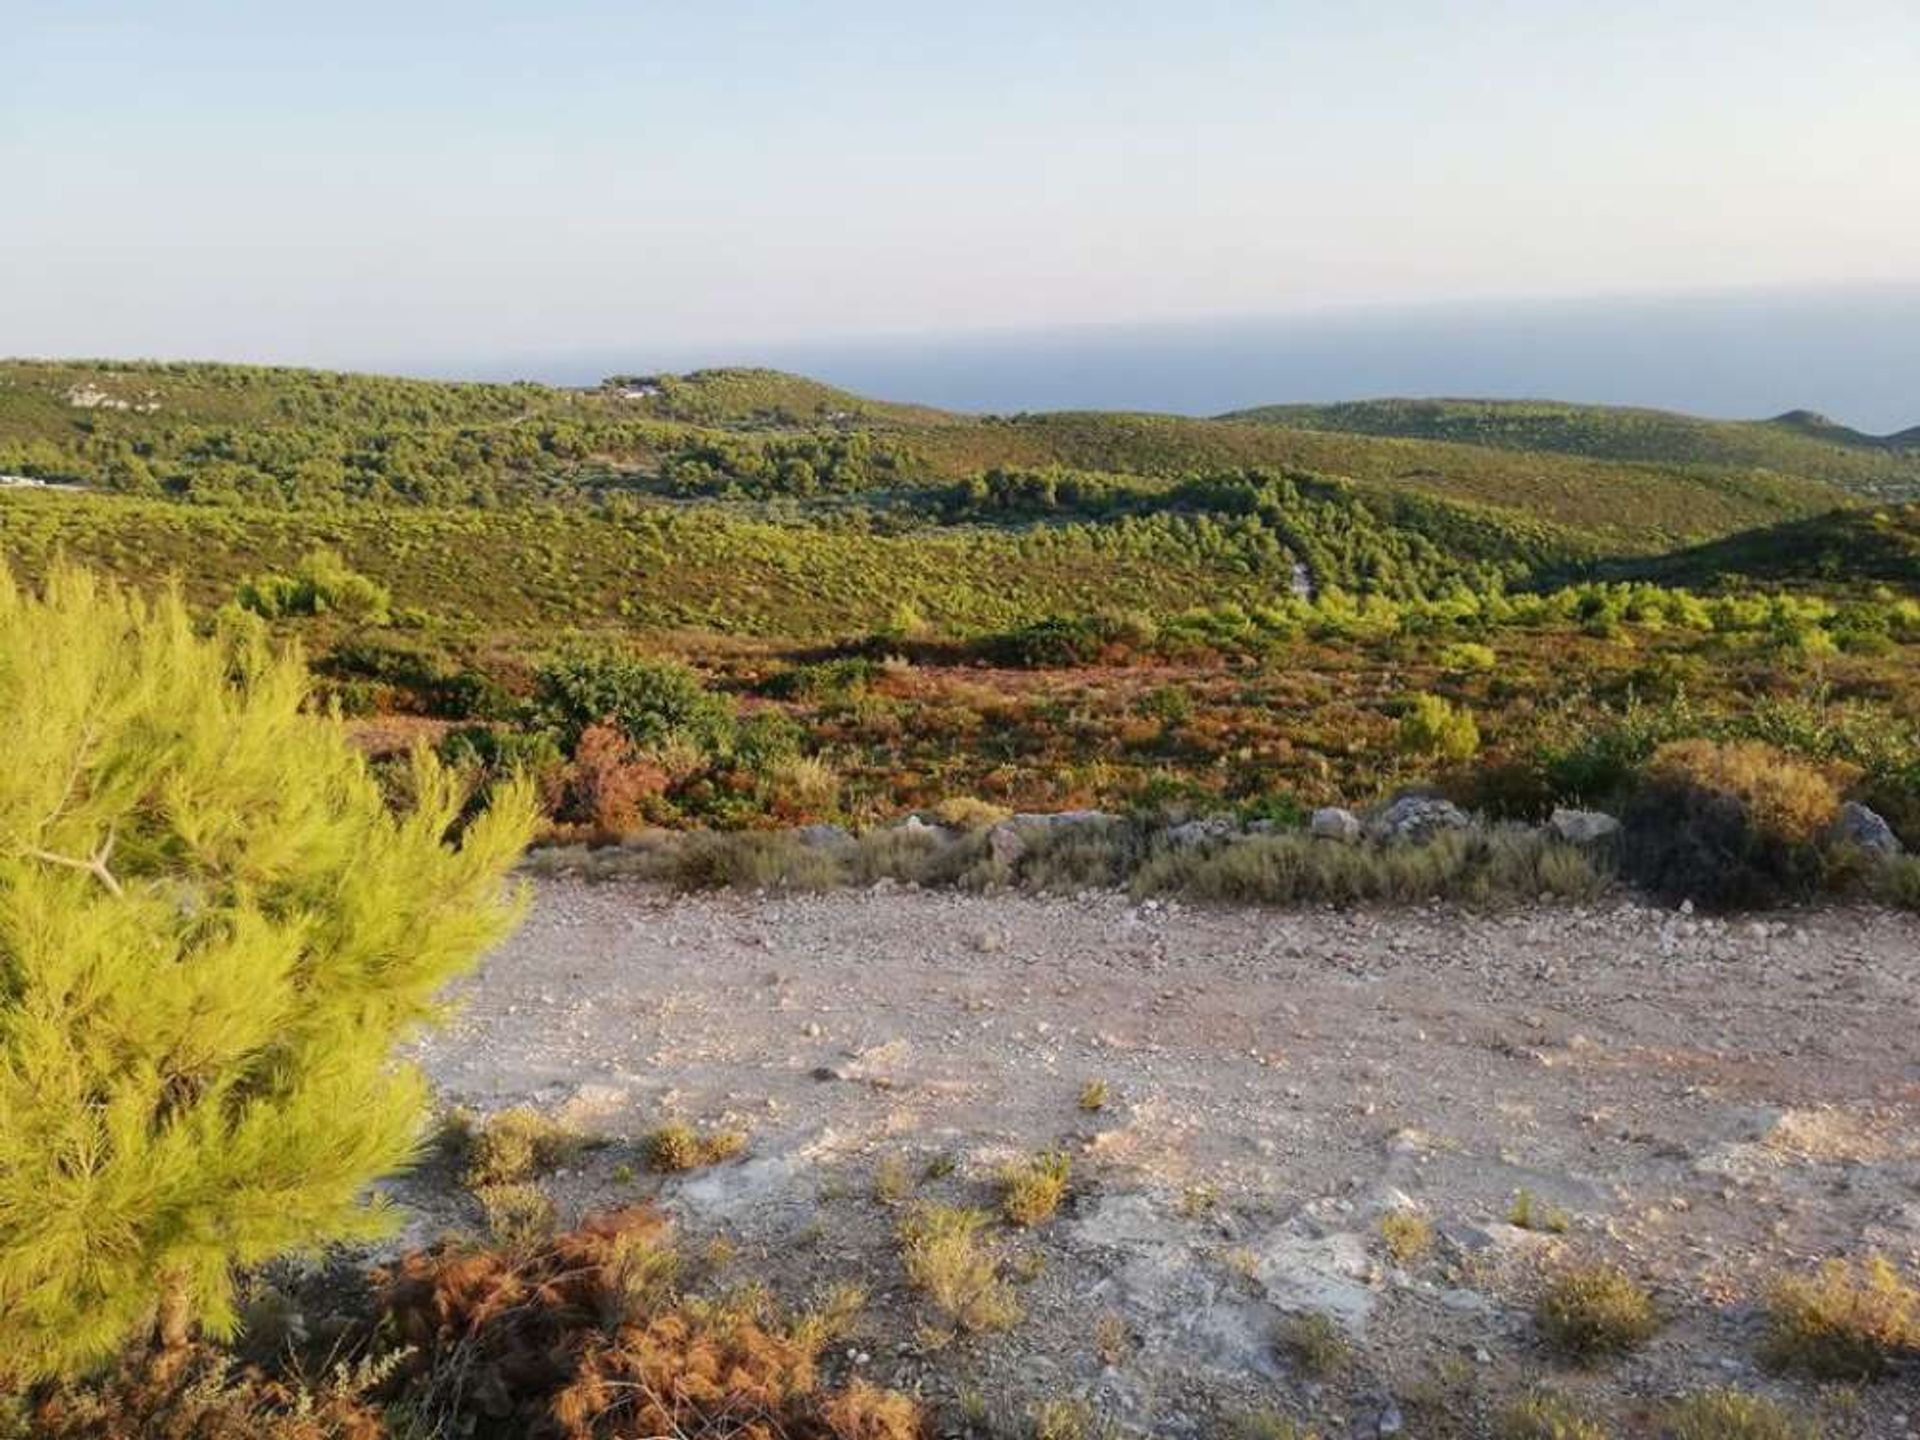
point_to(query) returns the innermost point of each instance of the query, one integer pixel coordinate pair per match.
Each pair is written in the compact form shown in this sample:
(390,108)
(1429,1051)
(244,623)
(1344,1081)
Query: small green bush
(1591,1312)
(1438,730)
(1315,1343)
(517,1145)
(678,1147)
(947,1260)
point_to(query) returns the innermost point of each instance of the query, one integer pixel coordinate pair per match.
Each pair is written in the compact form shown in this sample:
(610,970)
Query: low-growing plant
(1271,1425)
(1543,1415)
(1529,1213)
(1064,1420)
(1407,1234)
(1436,729)
(1847,1322)
(893,1180)
(676,1147)
(1315,1343)
(1732,1415)
(1031,1189)
(1093,1096)
(518,1215)
(1502,864)
(1590,1312)
(584,1336)
(948,1261)
(517,1145)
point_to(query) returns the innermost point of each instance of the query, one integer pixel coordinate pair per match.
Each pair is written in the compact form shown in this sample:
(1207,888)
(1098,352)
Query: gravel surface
(1705,1103)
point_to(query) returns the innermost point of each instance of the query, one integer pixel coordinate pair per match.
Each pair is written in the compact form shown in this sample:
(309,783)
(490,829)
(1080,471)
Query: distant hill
(742,396)
(1799,442)
(1846,548)
(252,434)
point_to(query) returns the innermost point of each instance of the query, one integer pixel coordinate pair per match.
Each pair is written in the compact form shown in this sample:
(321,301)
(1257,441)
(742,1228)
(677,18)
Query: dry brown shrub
(1785,797)
(584,1338)
(610,785)
(203,1395)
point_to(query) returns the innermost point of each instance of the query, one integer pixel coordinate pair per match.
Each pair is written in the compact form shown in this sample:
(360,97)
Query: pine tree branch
(96,866)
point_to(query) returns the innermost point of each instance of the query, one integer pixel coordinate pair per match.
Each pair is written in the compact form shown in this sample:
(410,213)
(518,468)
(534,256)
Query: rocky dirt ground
(1708,1104)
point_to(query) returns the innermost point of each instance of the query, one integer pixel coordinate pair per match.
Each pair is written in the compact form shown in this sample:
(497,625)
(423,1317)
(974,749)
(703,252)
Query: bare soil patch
(1707,1104)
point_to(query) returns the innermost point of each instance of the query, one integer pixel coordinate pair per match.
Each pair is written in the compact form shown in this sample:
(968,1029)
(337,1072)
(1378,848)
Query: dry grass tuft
(894,1180)
(1032,1189)
(1732,1415)
(1845,1323)
(518,1145)
(1270,1425)
(1594,1311)
(1064,1420)
(1527,1213)
(947,1261)
(1546,1416)
(1501,864)
(1407,1234)
(677,1147)
(1316,1344)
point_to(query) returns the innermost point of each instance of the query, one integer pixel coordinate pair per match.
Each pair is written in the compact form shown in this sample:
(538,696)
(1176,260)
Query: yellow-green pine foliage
(213,929)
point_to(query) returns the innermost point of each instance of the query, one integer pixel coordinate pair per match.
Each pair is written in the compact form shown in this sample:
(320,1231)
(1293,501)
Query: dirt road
(1708,1104)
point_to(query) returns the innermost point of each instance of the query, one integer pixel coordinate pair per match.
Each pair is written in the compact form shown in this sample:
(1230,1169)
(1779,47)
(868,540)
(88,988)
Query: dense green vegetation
(740,597)
(1845,548)
(238,434)
(1797,443)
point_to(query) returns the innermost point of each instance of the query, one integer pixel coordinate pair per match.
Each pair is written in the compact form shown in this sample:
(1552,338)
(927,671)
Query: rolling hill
(255,435)
(1799,442)
(1845,549)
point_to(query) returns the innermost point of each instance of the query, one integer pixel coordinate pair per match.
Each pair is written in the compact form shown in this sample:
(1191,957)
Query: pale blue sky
(358,183)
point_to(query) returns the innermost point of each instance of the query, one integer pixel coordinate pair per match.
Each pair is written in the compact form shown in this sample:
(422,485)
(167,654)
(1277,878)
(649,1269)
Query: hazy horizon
(370,185)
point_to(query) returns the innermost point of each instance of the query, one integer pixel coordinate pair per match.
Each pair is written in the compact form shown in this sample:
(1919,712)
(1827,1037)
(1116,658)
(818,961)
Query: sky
(404,184)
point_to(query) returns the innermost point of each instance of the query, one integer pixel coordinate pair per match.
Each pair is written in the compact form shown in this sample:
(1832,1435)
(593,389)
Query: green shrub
(947,1261)
(212,931)
(1436,729)
(678,1147)
(1315,1343)
(324,584)
(515,1146)
(651,702)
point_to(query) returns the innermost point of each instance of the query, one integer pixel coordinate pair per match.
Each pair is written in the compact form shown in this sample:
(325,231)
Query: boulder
(1202,832)
(1582,827)
(1049,820)
(1330,822)
(1414,818)
(1006,844)
(1857,825)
